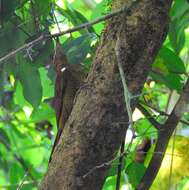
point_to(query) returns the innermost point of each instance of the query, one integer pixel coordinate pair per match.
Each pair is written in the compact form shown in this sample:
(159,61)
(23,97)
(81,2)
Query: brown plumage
(68,80)
(142,150)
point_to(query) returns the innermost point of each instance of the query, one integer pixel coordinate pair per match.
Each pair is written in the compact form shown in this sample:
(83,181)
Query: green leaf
(1,85)
(172,81)
(113,170)
(144,129)
(77,49)
(29,78)
(178,25)
(75,17)
(83,19)
(99,11)
(135,171)
(47,84)
(183,184)
(3,179)
(16,173)
(44,112)
(4,139)
(110,183)
(149,155)
(179,8)
(176,36)
(8,7)
(171,60)
(18,95)
(7,39)
(43,7)
(17,130)
(29,153)
(160,66)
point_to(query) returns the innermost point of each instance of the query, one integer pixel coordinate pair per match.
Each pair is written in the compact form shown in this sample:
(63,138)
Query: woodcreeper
(69,78)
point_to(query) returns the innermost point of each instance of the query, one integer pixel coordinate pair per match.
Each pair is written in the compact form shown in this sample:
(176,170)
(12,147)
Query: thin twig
(122,75)
(48,36)
(15,185)
(22,48)
(162,112)
(127,104)
(105,164)
(108,163)
(123,154)
(56,21)
(171,165)
(22,181)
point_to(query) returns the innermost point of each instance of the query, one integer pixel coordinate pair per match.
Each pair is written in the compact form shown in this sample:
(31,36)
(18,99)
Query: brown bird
(68,80)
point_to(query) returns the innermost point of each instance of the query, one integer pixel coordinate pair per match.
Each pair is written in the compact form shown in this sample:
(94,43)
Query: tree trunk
(95,129)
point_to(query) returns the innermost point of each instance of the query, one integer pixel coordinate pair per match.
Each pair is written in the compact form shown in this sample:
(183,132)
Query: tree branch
(156,124)
(162,112)
(163,139)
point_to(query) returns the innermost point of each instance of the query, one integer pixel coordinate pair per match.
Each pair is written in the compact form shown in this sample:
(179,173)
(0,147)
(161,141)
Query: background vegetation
(27,121)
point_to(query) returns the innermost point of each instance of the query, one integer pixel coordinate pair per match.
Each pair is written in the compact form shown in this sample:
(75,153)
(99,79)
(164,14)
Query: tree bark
(95,129)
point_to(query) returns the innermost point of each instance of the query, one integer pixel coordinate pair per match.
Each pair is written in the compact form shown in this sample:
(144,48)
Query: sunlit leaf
(99,11)
(29,152)
(44,112)
(110,183)
(144,128)
(75,17)
(47,84)
(18,95)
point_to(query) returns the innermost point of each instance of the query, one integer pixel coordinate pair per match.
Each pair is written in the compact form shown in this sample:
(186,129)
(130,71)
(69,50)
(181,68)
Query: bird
(69,78)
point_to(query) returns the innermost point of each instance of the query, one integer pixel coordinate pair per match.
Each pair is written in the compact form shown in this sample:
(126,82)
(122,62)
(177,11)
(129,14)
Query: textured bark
(93,132)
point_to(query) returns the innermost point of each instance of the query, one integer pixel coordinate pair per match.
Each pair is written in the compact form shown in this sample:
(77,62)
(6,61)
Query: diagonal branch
(163,139)
(162,112)
(150,118)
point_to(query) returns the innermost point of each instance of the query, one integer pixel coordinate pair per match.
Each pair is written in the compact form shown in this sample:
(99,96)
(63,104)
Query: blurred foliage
(27,121)
(180,168)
